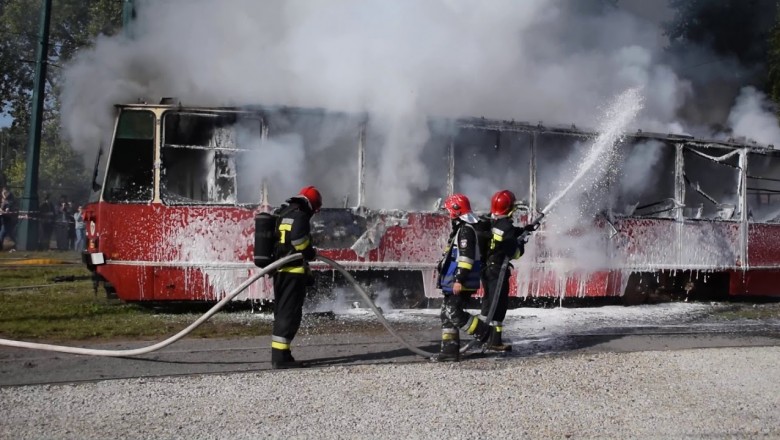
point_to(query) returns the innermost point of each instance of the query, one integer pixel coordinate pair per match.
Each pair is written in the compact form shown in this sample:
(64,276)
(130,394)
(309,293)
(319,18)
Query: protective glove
(310,254)
(310,280)
(531,227)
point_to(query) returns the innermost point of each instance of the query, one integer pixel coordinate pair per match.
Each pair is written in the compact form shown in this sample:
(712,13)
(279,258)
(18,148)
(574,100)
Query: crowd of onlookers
(61,223)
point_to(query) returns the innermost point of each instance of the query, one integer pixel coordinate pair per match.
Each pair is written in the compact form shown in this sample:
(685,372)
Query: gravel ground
(705,393)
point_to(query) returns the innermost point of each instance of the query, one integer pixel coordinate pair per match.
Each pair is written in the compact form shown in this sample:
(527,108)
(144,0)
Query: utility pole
(27,234)
(3,147)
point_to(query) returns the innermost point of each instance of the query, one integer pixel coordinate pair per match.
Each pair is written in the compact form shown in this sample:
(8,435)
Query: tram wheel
(110,291)
(636,292)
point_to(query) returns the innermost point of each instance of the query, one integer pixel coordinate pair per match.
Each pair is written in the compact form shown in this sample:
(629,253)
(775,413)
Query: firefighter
(291,280)
(459,277)
(507,243)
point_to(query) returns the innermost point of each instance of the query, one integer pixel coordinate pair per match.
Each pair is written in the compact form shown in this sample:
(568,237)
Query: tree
(720,46)
(737,29)
(74,25)
(774,61)
(61,169)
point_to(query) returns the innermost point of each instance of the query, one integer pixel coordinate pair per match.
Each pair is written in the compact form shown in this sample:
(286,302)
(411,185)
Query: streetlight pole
(27,238)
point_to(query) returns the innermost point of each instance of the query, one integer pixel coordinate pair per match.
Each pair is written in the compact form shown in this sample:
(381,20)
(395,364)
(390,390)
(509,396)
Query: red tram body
(171,219)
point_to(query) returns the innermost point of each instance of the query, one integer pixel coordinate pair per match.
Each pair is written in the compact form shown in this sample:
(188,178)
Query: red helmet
(502,203)
(312,195)
(457,205)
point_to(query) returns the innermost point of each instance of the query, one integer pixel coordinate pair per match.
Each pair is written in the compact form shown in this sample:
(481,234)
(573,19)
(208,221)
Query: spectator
(80,229)
(8,215)
(61,223)
(46,210)
(71,227)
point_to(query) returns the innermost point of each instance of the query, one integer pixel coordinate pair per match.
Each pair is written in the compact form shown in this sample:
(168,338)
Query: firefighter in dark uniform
(291,280)
(459,278)
(507,244)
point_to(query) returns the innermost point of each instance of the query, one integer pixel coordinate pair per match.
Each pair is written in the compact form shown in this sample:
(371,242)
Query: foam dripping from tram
(590,172)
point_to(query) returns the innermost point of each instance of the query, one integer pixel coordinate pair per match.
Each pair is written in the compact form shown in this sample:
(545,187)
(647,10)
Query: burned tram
(171,214)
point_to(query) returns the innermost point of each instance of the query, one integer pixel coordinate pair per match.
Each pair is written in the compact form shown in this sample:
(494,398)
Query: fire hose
(217,307)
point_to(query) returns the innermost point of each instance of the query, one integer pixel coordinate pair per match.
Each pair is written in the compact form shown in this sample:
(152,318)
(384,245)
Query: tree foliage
(74,25)
(774,61)
(738,29)
(61,170)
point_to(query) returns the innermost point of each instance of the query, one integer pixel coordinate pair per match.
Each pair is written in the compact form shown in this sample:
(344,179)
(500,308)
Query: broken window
(311,147)
(763,187)
(406,163)
(130,175)
(487,161)
(712,179)
(644,181)
(557,158)
(200,156)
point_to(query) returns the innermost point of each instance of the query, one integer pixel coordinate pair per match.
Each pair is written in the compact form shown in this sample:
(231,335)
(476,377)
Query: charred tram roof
(475,123)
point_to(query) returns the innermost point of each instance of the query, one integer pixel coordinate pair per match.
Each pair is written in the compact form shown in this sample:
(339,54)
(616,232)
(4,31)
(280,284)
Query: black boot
(450,346)
(283,359)
(494,342)
(482,332)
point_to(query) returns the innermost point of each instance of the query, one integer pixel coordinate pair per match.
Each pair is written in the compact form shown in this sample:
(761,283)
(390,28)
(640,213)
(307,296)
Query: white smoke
(752,117)
(405,60)
(289,157)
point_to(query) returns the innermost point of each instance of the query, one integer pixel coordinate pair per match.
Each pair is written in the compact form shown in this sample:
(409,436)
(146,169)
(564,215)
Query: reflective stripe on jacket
(295,237)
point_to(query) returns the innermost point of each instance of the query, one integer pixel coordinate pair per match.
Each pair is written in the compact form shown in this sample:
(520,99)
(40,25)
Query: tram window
(644,182)
(198,176)
(199,155)
(136,125)
(763,187)
(486,160)
(130,170)
(712,179)
(312,146)
(557,157)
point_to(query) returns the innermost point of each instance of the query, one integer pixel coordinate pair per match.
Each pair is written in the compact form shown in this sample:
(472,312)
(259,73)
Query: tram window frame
(711,179)
(197,166)
(130,170)
(763,187)
(486,159)
(644,180)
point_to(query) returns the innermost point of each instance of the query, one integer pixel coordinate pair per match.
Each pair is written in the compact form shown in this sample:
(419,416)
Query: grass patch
(35,307)
(758,312)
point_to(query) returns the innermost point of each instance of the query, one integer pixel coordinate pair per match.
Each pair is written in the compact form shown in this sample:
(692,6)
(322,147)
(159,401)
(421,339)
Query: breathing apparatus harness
(267,237)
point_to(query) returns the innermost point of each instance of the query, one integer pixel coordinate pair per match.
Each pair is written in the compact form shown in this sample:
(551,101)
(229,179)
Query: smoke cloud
(753,118)
(402,60)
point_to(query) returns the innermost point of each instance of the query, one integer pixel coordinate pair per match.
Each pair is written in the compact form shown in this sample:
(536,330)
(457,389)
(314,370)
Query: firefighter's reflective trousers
(289,293)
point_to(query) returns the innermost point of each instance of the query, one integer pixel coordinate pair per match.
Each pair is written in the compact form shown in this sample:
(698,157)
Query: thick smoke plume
(403,60)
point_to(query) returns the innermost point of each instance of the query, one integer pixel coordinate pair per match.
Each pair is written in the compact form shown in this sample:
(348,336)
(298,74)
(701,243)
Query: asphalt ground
(360,340)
